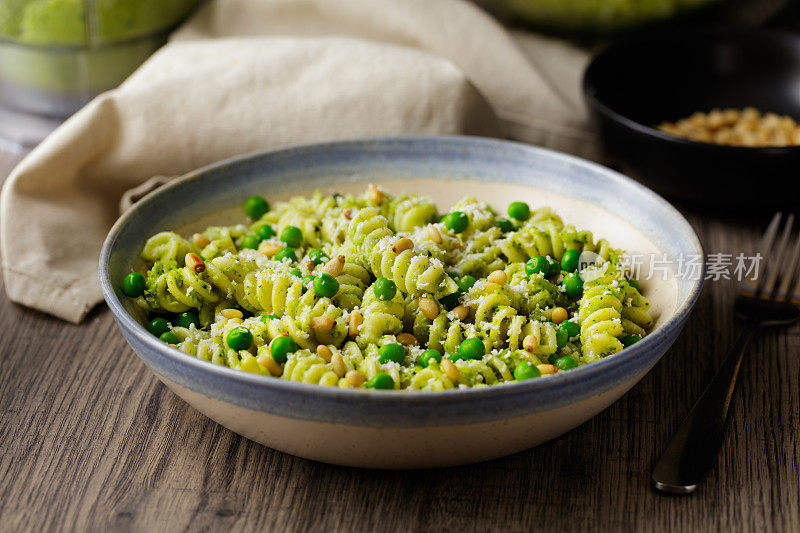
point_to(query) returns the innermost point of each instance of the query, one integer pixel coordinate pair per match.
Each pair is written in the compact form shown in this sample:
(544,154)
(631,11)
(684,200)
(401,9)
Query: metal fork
(769,297)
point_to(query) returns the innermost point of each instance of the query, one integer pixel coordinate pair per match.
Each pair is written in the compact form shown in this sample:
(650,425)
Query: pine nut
(321,324)
(337,363)
(498,276)
(200,240)
(530,342)
(309,265)
(429,308)
(407,339)
(558,315)
(461,312)
(348,214)
(402,245)
(324,352)
(334,267)
(355,322)
(450,369)
(354,378)
(546,369)
(434,234)
(269,249)
(231,313)
(194,262)
(374,194)
(270,364)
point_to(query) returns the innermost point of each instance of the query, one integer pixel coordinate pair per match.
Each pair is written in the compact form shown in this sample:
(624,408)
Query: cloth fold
(246,75)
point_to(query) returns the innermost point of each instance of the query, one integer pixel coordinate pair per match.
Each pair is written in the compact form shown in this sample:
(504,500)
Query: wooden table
(91,440)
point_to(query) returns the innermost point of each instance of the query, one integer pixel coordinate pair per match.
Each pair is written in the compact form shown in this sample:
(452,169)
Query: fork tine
(791,283)
(759,276)
(778,260)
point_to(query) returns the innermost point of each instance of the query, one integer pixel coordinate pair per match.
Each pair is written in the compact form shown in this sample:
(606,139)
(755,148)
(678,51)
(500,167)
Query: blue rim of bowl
(584,373)
(589,89)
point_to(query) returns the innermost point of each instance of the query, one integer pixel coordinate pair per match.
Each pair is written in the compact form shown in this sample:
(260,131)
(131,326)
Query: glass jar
(56,55)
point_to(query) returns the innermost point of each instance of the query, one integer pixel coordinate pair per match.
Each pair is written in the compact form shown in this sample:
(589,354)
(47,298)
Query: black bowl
(634,85)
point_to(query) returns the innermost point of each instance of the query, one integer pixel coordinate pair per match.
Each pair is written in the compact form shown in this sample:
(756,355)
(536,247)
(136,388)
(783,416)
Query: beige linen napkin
(246,75)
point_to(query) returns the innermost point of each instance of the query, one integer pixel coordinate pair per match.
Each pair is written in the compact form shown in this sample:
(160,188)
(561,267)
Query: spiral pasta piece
(599,315)
(406,212)
(307,367)
(179,290)
(353,281)
(366,228)
(412,272)
(380,317)
(636,317)
(166,246)
(430,378)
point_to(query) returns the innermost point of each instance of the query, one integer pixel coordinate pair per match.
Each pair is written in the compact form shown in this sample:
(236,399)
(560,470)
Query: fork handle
(693,450)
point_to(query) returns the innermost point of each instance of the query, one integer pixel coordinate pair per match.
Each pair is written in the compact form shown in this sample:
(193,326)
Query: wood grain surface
(91,440)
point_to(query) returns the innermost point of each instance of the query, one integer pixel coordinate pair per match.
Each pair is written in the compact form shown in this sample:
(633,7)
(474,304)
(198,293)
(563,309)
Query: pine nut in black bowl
(635,85)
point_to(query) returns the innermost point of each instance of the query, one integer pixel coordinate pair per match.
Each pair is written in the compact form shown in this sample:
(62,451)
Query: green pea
(292,236)
(525,370)
(185,320)
(456,221)
(384,289)
(317,256)
(286,253)
(256,206)
(326,286)
(466,283)
(168,337)
(570,260)
(566,363)
(561,337)
(571,328)
(554,268)
(281,347)
(537,264)
(308,279)
(265,231)
(505,225)
(472,349)
(250,242)
(453,276)
(239,339)
(451,301)
(430,355)
(380,381)
(455,356)
(519,210)
(573,285)
(391,352)
(158,326)
(296,273)
(133,285)
(628,340)
(269,318)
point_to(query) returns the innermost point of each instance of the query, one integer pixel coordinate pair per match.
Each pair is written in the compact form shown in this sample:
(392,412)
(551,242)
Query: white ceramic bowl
(401,429)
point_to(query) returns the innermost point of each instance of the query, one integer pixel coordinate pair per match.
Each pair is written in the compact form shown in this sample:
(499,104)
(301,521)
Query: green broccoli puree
(593,15)
(67,22)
